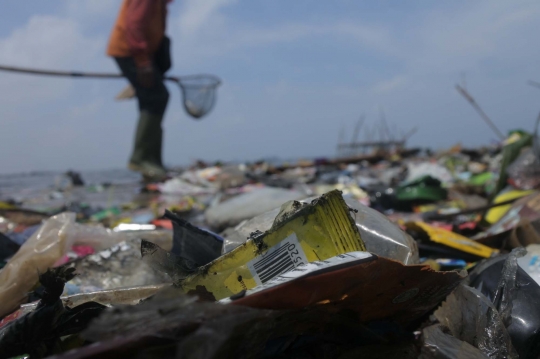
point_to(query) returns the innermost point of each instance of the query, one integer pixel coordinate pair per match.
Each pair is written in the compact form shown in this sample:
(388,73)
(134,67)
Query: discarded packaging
(302,233)
(449,239)
(373,287)
(379,234)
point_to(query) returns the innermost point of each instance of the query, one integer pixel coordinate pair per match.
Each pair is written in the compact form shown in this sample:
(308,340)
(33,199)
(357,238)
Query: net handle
(100,75)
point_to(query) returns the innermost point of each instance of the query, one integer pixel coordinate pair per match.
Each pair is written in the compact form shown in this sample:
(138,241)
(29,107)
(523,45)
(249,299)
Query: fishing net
(199,93)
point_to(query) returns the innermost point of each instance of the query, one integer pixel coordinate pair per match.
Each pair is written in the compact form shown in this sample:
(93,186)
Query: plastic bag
(39,253)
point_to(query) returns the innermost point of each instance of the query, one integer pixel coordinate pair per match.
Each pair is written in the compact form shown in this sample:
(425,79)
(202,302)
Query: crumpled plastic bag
(40,252)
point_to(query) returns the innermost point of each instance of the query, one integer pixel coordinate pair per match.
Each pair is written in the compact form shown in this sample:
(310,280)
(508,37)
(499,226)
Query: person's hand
(146,76)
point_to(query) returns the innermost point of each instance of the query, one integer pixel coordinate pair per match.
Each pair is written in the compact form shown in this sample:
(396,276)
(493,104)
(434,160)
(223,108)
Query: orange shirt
(139,30)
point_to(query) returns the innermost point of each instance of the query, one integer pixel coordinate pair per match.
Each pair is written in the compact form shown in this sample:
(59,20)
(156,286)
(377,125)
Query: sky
(295,74)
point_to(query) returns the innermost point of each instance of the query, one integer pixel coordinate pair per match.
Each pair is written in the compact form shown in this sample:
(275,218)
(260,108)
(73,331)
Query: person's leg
(146,156)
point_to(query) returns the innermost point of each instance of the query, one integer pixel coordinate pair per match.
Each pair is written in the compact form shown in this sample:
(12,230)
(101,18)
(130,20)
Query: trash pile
(392,255)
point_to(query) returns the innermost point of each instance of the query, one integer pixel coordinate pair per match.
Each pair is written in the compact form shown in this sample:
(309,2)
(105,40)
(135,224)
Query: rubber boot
(146,156)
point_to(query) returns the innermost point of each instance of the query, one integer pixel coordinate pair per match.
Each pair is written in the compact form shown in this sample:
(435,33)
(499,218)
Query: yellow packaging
(305,233)
(496,213)
(454,240)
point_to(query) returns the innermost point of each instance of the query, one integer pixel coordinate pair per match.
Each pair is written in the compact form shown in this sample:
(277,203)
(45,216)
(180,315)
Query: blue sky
(294,72)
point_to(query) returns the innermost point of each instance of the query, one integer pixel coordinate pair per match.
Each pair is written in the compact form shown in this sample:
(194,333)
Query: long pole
(482,114)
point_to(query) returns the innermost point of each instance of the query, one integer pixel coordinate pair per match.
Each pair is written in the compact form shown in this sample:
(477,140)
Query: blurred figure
(75,178)
(142,51)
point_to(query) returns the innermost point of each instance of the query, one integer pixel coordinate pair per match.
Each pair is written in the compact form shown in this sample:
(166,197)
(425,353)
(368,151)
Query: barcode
(278,262)
(282,258)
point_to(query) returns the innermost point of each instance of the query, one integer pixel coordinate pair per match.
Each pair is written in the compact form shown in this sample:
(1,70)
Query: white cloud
(47,41)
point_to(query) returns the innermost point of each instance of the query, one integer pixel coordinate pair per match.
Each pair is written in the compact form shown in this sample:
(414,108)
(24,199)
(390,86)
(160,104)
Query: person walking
(141,50)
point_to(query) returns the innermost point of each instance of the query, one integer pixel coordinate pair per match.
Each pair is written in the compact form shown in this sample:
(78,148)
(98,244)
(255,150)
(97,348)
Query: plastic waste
(21,237)
(423,169)
(495,214)
(526,209)
(111,297)
(248,205)
(437,344)
(511,150)
(39,253)
(171,323)
(379,234)
(198,246)
(176,267)
(181,187)
(374,288)
(470,316)
(119,266)
(48,245)
(39,333)
(440,239)
(511,284)
(301,233)
(524,172)
(424,188)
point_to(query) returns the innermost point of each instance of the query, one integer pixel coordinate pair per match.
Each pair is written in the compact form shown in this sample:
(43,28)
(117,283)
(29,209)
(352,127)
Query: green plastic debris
(110,212)
(424,188)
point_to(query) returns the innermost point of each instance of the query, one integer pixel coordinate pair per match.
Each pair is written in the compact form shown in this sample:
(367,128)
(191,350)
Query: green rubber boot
(146,156)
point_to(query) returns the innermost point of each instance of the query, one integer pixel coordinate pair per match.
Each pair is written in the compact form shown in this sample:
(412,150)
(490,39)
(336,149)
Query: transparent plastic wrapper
(119,266)
(524,172)
(49,244)
(512,284)
(470,316)
(440,345)
(379,234)
(248,205)
(112,297)
(383,237)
